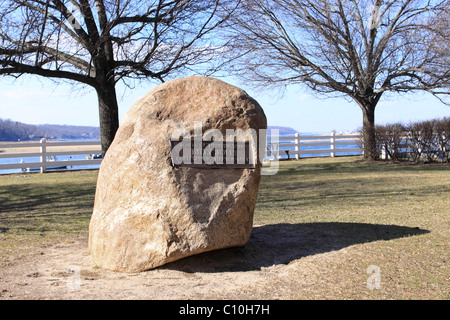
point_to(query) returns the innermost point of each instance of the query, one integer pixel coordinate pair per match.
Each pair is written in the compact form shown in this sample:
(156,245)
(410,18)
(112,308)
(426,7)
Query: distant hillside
(69,132)
(17,131)
(283,130)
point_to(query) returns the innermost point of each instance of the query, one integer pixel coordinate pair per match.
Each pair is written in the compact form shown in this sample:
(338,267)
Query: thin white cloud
(304,97)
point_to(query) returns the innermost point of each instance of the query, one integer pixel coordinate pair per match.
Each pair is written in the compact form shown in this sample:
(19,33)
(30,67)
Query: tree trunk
(368,131)
(109,114)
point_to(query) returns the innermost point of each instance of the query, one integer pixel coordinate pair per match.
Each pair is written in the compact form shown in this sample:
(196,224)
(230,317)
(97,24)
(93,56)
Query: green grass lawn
(38,209)
(394,216)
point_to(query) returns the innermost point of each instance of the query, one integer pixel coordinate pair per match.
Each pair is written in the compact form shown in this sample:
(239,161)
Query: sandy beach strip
(36,149)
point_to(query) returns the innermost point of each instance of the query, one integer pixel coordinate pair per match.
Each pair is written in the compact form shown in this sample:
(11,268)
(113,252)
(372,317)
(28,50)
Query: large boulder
(148,212)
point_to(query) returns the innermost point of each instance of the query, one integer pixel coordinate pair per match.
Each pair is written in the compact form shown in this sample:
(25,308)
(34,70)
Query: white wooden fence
(292,147)
(299,145)
(47,156)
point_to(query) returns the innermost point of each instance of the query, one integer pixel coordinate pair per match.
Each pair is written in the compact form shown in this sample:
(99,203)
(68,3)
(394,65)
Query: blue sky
(35,100)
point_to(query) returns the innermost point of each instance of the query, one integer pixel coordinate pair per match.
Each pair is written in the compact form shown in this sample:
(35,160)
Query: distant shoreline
(18,131)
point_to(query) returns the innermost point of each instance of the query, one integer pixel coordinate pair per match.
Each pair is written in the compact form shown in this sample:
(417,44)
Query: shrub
(414,141)
(429,140)
(442,128)
(390,140)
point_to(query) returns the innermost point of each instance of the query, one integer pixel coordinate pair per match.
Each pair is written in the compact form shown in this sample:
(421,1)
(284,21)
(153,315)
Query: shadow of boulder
(282,243)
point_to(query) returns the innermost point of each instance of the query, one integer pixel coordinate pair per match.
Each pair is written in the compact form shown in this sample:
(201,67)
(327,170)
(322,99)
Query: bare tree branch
(19,68)
(99,42)
(361,49)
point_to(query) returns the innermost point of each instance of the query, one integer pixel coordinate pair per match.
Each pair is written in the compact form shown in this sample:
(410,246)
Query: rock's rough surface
(147,212)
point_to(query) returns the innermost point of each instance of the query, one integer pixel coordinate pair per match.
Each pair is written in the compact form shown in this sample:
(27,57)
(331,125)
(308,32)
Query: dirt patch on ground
(66,271)
(283,261)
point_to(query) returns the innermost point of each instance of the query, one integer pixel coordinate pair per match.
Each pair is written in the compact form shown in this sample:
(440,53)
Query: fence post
(43,155)
(297,145)
(333,143)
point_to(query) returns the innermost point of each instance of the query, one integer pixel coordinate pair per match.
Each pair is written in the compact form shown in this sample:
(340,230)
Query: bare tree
(99,43)
(357,49)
